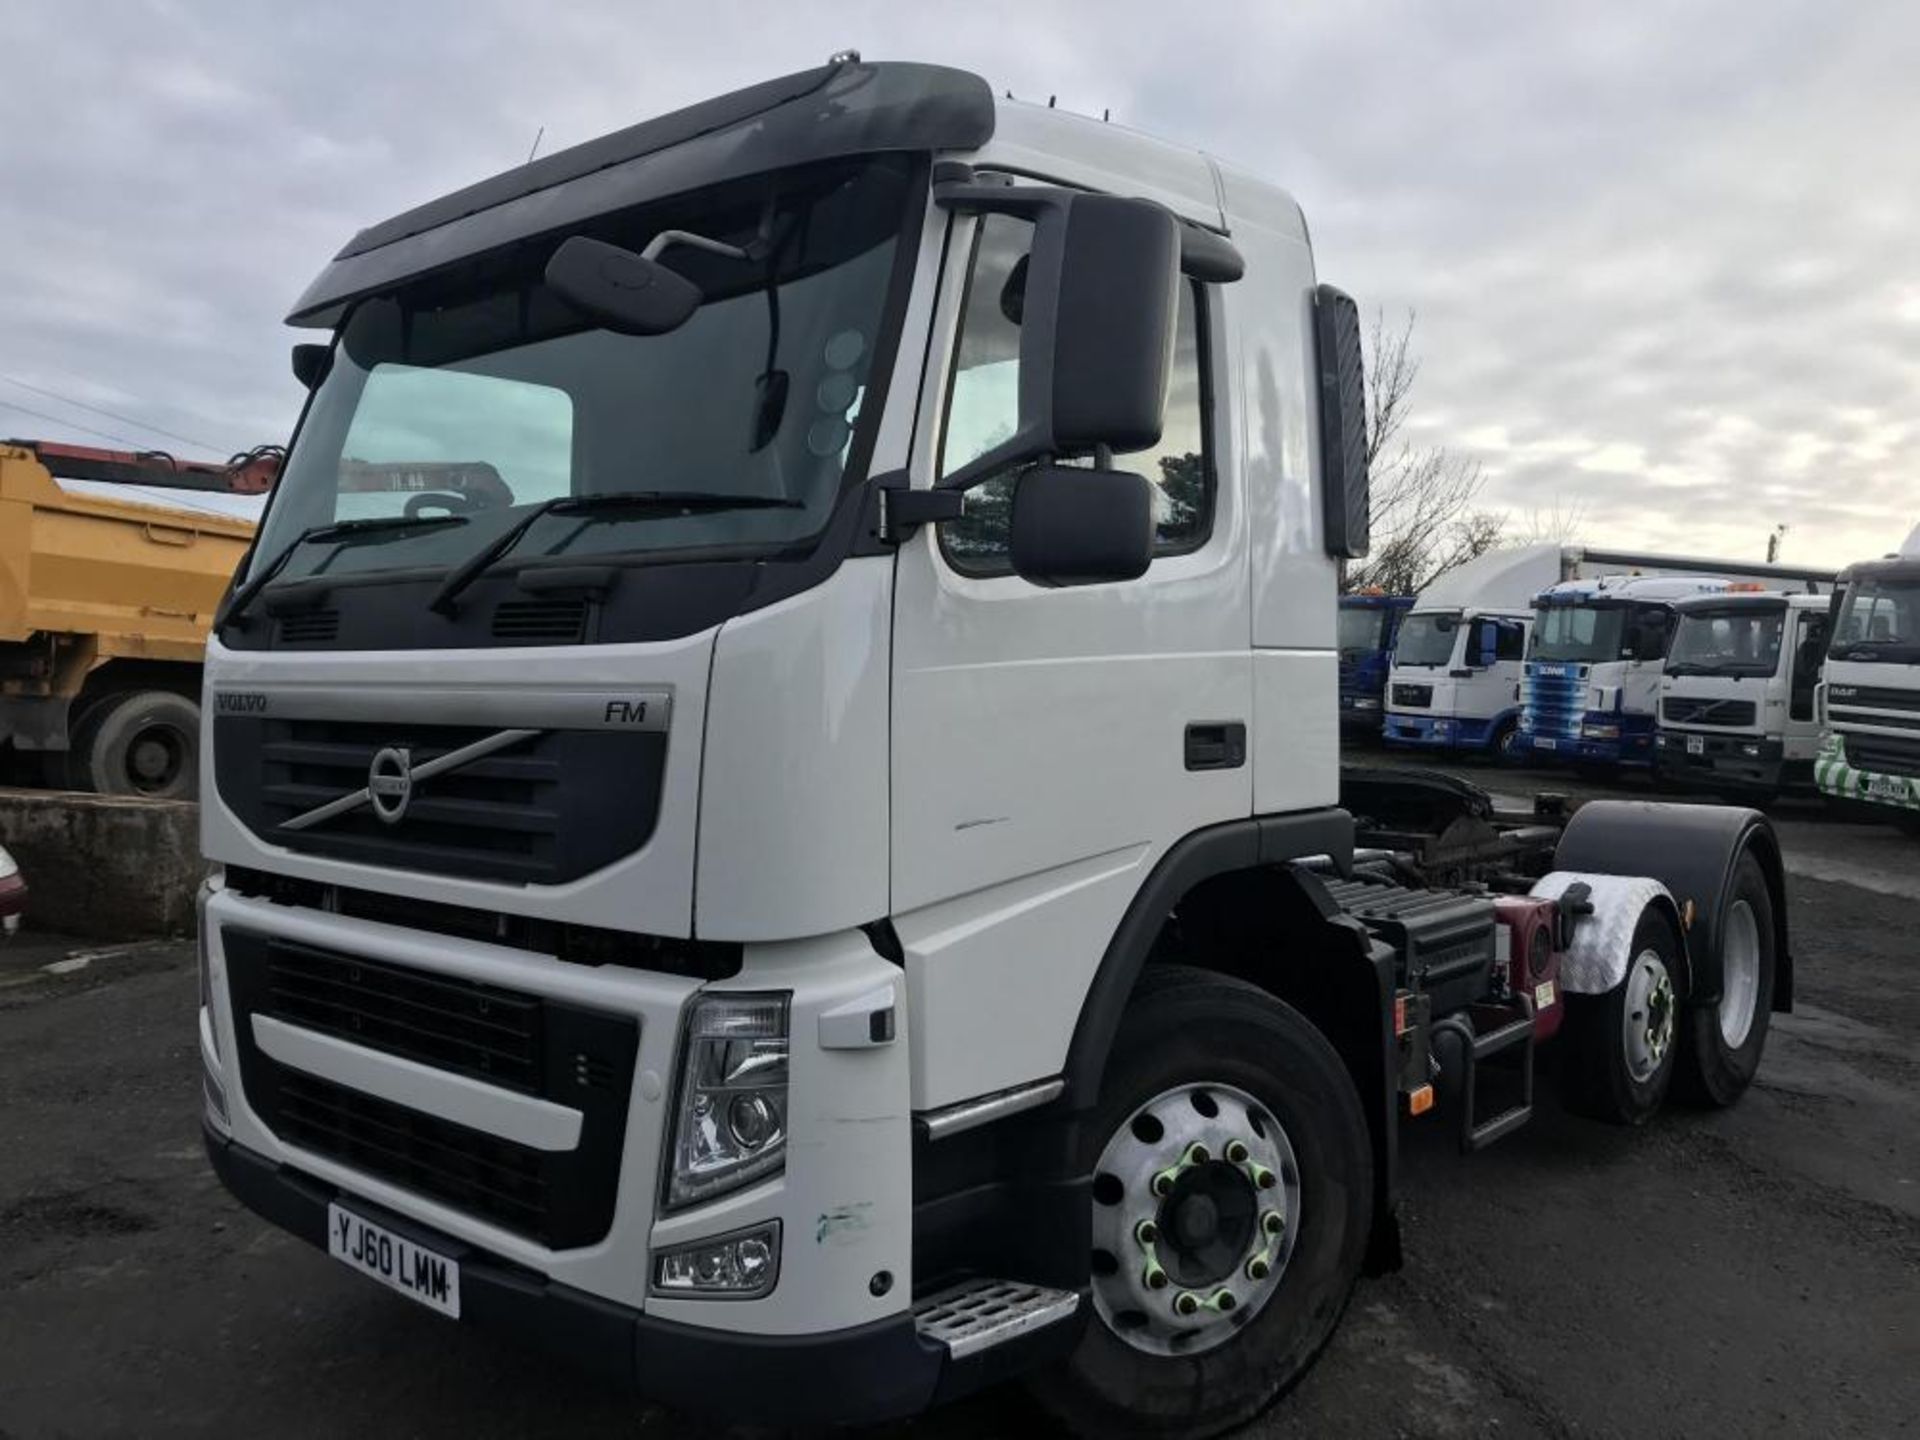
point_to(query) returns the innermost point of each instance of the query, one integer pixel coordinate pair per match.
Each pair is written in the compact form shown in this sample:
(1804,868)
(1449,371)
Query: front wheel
(1232,1191)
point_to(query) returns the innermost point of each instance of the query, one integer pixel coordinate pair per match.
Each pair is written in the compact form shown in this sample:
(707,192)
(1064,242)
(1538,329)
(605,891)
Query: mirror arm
(669,238)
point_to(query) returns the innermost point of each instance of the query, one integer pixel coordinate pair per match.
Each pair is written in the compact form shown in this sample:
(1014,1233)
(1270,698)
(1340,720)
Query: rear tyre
(141,742)
(1720,1044)
(1617,1050)
(1232,1193)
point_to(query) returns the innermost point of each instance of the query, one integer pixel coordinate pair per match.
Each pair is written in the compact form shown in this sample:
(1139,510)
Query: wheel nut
(1237,1153)
(1155,1278)
(1186,1303)
(1224,1301)
(1146,1232)
(1198,1154)
(1258,1268)
(1264,1177)
(1273,1222)
(1162,1184)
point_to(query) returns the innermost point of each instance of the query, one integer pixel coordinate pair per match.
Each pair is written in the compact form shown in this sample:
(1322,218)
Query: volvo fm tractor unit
(1369,629)
(818,876)
(1738,711)
(1594,660)
(1870,758)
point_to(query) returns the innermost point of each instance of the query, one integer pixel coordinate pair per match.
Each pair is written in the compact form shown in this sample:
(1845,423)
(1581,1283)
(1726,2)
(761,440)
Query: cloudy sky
(1666,266)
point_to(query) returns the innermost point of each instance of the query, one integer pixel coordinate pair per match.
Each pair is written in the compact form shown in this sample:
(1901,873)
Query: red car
(13,893)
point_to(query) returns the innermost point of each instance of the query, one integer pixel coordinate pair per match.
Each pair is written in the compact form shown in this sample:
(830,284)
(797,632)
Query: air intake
(309,627)
(532,622)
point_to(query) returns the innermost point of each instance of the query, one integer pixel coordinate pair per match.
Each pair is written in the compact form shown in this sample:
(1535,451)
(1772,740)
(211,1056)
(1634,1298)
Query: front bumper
(1738,761)
(873,1372)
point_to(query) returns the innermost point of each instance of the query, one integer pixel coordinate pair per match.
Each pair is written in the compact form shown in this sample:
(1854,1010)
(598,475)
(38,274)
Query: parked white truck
(794,897)
(1871,695)
(1737,692)
(1598,645)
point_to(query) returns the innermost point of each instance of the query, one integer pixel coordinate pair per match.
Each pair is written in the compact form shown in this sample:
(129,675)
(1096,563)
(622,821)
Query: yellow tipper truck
(111,565)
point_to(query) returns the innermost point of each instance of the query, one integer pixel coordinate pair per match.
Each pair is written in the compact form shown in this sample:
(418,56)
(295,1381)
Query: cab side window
(983,410)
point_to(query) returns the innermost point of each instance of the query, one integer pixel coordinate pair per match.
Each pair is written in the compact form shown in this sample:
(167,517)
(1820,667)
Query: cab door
(1050,744)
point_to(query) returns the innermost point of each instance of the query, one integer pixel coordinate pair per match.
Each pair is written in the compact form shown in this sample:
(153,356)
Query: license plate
(1546,744)
(396,1262)
(1888,787)
(1696,744)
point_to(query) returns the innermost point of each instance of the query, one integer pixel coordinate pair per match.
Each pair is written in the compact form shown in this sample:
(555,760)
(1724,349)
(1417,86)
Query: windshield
(1727,642)
(483,394)
(1427,640)
(1361,628)
(1586,634)
(1880,620)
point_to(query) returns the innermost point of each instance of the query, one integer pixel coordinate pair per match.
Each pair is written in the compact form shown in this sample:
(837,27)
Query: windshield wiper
(344,531)
(665,502)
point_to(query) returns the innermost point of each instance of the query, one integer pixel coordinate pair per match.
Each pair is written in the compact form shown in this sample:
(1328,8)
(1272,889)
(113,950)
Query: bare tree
(1425,517)
(1559,523)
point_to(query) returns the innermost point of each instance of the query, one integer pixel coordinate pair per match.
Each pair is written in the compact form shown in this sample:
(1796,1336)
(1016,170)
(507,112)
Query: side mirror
(619,290)
(1345,499)
(1096,299)
(311,363)
(1075,526)
(1487,644)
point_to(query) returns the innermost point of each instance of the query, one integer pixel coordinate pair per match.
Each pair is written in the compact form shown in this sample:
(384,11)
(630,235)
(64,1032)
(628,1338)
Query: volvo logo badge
(390,784)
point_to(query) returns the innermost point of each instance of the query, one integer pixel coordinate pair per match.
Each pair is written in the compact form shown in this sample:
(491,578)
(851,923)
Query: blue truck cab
(1369,629)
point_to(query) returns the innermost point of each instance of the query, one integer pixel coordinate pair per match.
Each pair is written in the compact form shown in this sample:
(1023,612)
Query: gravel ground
(1754,1271)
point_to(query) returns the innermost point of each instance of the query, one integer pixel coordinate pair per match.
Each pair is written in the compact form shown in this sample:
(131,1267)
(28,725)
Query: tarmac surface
(1754,1271)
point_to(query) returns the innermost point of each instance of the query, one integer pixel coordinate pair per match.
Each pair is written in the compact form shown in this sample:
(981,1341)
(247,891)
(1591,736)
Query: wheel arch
(1226,899)
(1694,851)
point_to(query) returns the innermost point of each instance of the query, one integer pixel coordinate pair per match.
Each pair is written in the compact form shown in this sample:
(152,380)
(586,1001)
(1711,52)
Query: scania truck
(828,881)
(1369,629)
(1870,758)
(1594,660)
(1737,693)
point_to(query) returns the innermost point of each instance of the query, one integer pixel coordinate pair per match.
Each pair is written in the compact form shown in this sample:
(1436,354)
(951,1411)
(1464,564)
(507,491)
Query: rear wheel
(1232,1190)
(139,742)
(1617,1050)
(1720,1044)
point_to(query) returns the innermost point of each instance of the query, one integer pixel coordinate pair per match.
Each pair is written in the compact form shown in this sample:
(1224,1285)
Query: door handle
(1216,745)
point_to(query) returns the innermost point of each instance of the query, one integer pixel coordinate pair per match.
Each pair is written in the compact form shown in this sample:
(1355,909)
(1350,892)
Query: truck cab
(1593,666)
(1870,758)
(1456,680)
(1369,630)
(1737,692)
(801,860)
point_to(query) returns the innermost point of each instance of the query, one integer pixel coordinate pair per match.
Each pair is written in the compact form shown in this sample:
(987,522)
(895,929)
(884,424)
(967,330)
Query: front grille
(309,627)
(1556,700)
(1699,710)
(549,808)
(1414,697)
(1874,697)
(479,1174)
(528,622)
(1883,755)
(573,1056)
(478,1030)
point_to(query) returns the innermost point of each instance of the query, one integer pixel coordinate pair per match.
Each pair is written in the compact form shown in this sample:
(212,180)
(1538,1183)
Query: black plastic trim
(869,1373)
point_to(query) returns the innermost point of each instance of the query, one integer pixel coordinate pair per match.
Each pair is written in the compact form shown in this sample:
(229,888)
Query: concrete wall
(108,867)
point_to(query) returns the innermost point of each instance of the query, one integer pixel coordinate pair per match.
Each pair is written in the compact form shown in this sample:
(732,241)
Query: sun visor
(827,113)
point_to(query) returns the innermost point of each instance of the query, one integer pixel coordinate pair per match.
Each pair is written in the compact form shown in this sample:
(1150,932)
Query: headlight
(1752,752)
(1365,704)
(732,1125)
(1601,732)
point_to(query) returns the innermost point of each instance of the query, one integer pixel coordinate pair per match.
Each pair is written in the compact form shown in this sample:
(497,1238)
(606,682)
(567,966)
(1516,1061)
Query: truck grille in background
(1556,703)
(309,627)
(576,1057)
(1698,710)
(528,622)
(1883,755)
(1873,697)
(1414,697)
(549,809)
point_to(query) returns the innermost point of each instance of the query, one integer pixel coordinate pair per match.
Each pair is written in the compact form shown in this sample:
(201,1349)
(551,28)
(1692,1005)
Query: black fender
(1693,850)
(1330,968)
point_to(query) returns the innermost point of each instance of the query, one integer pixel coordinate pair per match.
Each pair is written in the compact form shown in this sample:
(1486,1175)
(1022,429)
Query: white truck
(796,897)
(1870,700)
(1595,656)
(1738,690)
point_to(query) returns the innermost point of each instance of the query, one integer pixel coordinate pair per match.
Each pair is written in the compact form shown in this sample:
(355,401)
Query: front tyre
(1232,1192)
(1720,1044)
(1617,1050)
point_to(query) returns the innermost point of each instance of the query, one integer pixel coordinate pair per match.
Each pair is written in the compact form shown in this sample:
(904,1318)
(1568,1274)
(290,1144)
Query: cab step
(976,1315)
